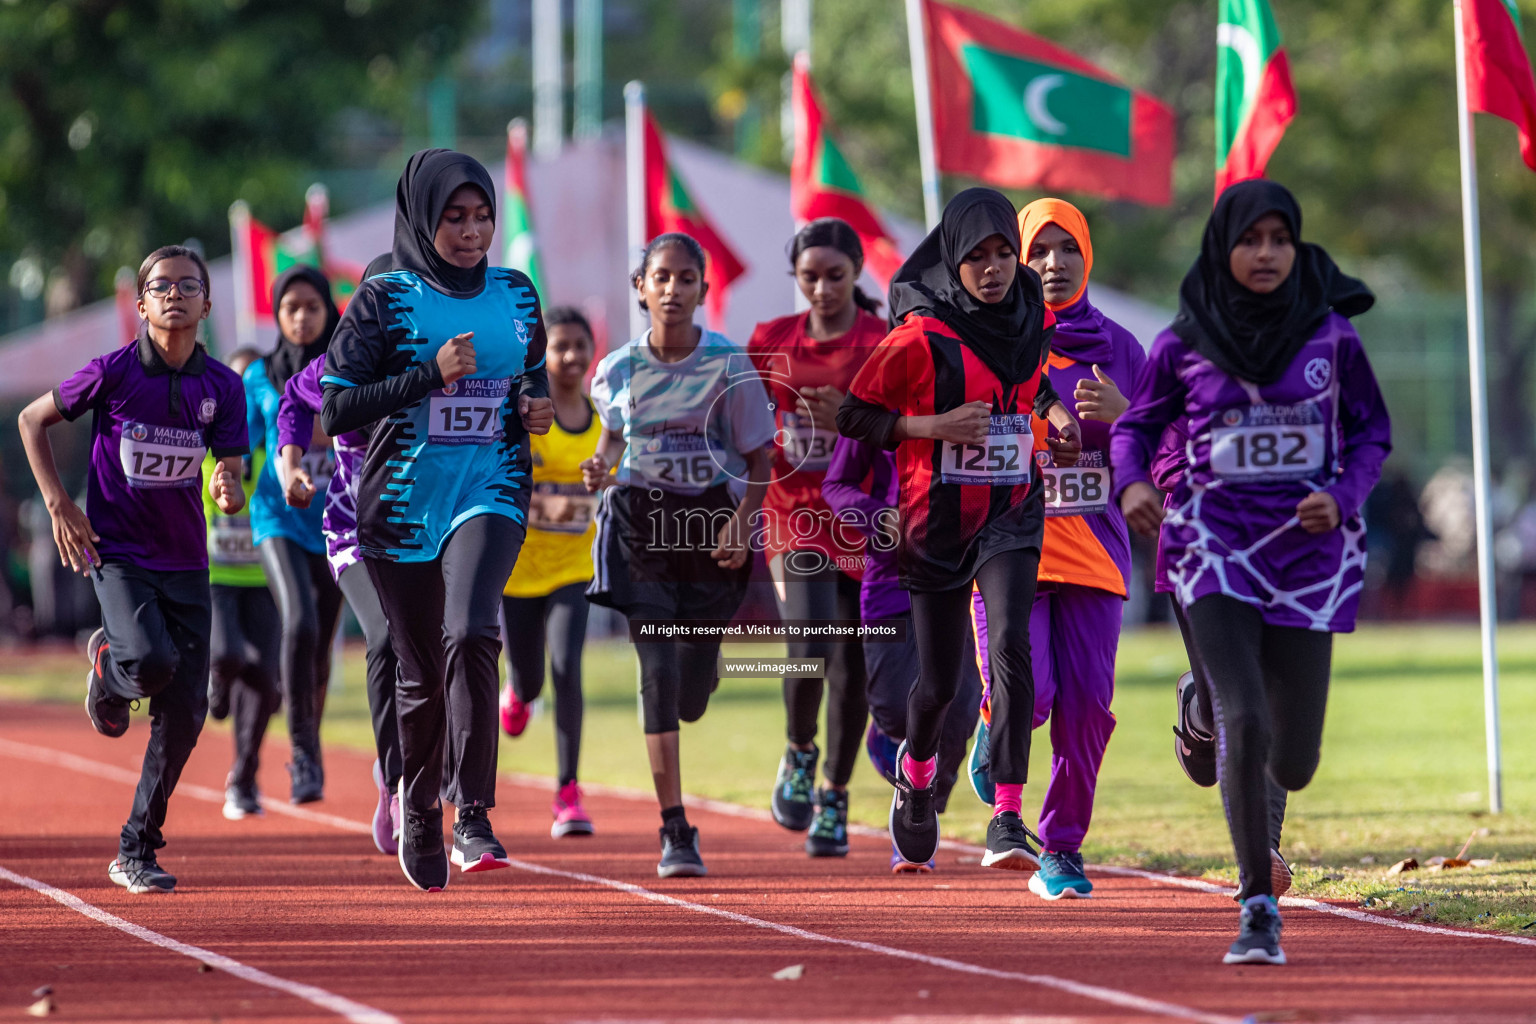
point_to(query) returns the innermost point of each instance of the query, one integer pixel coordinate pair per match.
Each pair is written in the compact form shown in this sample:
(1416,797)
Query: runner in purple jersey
(1286,433)
(157,405)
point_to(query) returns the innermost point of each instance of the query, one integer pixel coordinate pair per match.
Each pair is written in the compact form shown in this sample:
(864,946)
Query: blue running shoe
(882,751)
(1060,877)
(901,866)
(1258,941)
(794,789)
(981,766)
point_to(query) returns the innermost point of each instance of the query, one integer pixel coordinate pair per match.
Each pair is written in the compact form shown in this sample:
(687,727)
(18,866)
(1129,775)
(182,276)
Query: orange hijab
(1070,219)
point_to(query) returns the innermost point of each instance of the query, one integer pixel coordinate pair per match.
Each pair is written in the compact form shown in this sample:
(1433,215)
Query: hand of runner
(225,490)
(594,472)
(731,547)
(537,413)
(966,425)
(1319,512)
(457,357)
(1067,446)
(301,488)
(1143,508)
(823,402)
(1100,399)
(75,538)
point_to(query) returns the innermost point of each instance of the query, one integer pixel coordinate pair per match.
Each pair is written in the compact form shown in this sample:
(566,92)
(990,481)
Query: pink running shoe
(570,818)
(514,713)
(385,815)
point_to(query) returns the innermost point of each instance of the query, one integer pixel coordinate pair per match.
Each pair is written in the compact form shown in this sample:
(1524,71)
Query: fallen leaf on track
(1410,864)
(791,973)
(42,1008)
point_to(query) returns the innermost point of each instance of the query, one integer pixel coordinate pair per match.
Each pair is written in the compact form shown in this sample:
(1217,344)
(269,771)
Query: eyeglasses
(189,287)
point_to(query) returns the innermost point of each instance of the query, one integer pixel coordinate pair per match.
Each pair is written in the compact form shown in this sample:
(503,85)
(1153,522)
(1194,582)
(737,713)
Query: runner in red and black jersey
(807,362)
(952,389)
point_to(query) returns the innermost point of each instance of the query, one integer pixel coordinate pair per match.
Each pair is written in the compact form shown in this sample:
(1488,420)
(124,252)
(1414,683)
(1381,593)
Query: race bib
(229,541)
(805,445)
(678,460)
(1004,460)
(468,411)
(320,463)
(161,456)
(1269,442)
(561,508)
(1082,490)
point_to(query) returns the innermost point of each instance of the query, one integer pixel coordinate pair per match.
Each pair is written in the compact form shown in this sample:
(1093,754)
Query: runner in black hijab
(1251,336)
(287,358)
(430,177)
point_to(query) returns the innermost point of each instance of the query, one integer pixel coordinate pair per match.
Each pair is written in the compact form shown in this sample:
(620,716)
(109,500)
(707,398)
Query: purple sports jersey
(880,593)
(1252,454)
(301,403)
(150,428)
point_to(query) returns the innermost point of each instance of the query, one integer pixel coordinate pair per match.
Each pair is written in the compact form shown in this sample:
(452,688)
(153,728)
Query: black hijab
(383,263)
(429,178)
(1009,336)
(288,359)
(1248,335)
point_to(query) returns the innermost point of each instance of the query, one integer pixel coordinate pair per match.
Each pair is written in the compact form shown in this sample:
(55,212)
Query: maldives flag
(261,254)
(821,184)
(1499,78)
(520,252)
(1254,96)
(1017,111)
(669,207)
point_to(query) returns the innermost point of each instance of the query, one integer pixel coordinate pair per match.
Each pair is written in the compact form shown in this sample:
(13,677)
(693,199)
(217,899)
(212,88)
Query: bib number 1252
(1003,460)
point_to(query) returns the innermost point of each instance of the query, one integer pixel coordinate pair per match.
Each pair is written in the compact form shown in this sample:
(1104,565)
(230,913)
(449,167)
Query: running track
(302,920)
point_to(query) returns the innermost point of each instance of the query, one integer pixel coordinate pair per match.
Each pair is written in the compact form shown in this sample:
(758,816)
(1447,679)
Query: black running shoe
(913,822)
(1258,940)
(829,832)
(141,876)
(1009,844)
(680,851)
(794,790)
(1194,749)
(474,844)
(421,847)
(109,714)
(307,781)
(241,800)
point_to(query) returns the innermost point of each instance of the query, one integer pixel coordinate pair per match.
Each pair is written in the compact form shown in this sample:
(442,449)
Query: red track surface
(308,900)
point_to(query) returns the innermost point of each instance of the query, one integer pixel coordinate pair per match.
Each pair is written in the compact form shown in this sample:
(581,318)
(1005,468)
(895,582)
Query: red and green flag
(1255,99)
(261,254)
(520,252)
(1499,79)
(669,207)
(821,184)
(1017,111)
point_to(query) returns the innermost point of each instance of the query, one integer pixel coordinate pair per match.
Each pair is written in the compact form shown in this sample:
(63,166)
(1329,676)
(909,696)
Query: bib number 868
(1069,487)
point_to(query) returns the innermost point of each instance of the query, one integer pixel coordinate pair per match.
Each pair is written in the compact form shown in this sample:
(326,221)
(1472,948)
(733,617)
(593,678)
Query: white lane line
(1112,997)
(355,1012)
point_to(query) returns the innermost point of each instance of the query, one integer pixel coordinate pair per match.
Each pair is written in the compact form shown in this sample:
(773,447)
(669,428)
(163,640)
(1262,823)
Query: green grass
(1403,771)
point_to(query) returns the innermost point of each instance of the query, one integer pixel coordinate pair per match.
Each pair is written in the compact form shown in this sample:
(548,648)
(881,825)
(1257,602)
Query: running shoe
(1258,937)
(1194,748)
(394,816)
(882,751)
(794,790)
(829,832)
(1009,844)
(474,844)
(1060,877)
(241,801)
(514,713)
(421,846)
(1279,875)
(570,817)
(980,766)
(306,781)
(141,875)
(109,714)
(913,823)
(680,851)
(901,866)
(384,831)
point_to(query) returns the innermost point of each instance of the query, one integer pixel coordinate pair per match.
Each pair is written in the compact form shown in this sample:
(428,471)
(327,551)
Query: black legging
(383,667)
(243,657)
(310,605)
(1270,686)
(942,620)
(821,596)
(443,626)
(561,617)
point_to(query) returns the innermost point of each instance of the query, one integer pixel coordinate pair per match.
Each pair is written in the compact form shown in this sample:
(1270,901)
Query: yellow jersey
(558,548)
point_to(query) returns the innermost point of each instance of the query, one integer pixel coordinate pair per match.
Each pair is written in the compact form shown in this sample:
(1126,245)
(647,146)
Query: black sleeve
(534,383)
(1045,396)
(353,408)
(867,422)
(363,380)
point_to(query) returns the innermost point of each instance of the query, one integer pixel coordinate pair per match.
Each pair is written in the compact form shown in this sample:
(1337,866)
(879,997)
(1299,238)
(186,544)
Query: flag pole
(634,189)
(917,44)
(245,303)
(1477,363)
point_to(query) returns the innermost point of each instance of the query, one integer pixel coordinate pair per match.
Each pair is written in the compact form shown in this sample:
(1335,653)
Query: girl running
(1264,544)
(429,353)
(156,406)
(686,421)
(807,361)
(289,539)
(954,386)
(546,596)
(243,642)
